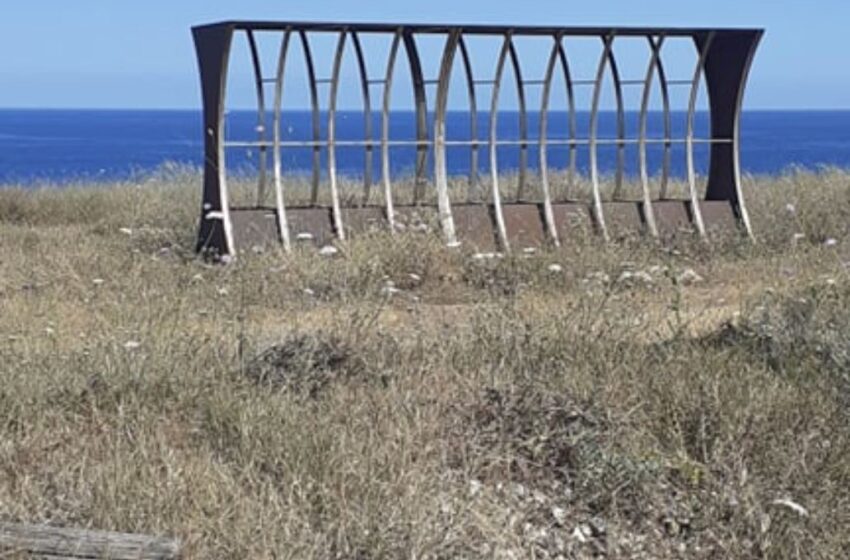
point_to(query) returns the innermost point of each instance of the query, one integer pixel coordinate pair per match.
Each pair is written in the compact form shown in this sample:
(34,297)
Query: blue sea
(61,146)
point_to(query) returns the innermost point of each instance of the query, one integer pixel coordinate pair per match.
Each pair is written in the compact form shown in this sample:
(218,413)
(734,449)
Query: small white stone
(132,345)
(793,506)
(452,245)
(223,291)
(98,281)
(414,277)
(529,250)
(578,535)
(390,290)
(304,236)
(831,242)
(790,209)
(328,251)
(126,231)
(625,276)
(798,237)
(484,256)
(689,276)
(49,331)
(198,278)
(309,292)
(555,268)
(560,515)
(474,487)
(643,277)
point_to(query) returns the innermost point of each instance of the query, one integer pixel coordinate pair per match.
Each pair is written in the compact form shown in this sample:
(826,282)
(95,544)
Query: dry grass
(295,407)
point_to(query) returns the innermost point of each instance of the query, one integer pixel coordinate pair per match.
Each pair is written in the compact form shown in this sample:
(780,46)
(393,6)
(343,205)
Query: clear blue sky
(138,54)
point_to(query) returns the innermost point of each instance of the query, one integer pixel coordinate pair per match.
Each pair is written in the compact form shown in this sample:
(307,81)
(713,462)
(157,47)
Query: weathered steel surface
(507,217)
(43,541)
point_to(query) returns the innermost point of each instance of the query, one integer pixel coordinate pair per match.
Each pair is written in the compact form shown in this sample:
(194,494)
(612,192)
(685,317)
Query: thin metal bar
(494,159)
(261,114)
(442,29)
(444,206)
(696,212)
(473,117)
(420,98)
(282,223)
(316,116)
(594,133)
(655,53)
(337,66)
(548,213)
(385,132)
(549,141)
(523,120)
(367,116)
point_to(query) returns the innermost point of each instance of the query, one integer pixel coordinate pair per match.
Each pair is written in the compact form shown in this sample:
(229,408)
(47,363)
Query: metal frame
(723,56)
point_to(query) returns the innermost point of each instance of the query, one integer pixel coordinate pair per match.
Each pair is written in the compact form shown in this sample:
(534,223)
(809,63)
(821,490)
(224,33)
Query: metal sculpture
(723,59)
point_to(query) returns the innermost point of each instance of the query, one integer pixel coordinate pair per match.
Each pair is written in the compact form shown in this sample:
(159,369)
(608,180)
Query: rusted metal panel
(475,225)
(672,217)
(624,219)
(525,225)
(572,220)
(311,226)
(255,229)
(364,219)
(718,214)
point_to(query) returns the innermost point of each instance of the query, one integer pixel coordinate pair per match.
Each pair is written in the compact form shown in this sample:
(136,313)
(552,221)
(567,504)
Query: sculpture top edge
(473,29)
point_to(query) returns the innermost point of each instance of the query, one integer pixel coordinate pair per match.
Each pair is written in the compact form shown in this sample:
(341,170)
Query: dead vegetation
(679,400)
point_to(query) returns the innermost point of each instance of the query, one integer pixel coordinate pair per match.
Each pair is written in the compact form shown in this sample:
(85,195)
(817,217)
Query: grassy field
(400,400)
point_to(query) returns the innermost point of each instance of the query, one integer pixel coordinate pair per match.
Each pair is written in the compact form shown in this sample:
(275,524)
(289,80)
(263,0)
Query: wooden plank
(42,541)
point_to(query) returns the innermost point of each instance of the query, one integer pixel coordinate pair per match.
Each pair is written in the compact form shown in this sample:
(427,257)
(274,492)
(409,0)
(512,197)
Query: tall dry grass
(404,401)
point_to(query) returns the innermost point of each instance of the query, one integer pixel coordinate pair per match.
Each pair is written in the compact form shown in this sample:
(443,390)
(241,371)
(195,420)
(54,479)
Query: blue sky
(122,54)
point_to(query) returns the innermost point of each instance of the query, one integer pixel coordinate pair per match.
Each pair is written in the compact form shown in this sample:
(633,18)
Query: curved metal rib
(334,90)
(444,206)
(668,125)
(421,112)
(621,122)
(494,160)
(594,137)
(696,213)
(743,214)
(548,214)
(317,123)
(261,115)
(385,132)
(523,121)
(571,101)
(282,224)
(367,115)
(654,62)
(473,117)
